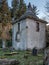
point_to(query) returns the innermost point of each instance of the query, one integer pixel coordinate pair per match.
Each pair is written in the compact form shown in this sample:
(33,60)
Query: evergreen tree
(0,10)
(18,8)
(22,8)
(35,11)
(47,8)
(0,4)
(6,16)
(5,22)
(15,5)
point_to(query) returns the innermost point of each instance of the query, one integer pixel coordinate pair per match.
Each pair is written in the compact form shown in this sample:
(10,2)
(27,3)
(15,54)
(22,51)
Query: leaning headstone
(34,52)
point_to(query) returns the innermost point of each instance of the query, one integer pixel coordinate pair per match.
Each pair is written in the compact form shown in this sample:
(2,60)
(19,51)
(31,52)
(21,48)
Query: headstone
(34,51)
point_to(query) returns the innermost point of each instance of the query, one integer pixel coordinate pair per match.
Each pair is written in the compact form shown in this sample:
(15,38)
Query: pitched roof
(29,14)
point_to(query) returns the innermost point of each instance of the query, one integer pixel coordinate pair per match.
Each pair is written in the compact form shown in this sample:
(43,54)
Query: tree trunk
(3,44)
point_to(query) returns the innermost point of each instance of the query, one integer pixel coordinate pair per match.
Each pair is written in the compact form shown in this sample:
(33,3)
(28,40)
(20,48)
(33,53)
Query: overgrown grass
(31,60)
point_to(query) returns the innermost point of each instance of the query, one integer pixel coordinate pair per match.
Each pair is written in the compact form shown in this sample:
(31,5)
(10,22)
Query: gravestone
(34,51)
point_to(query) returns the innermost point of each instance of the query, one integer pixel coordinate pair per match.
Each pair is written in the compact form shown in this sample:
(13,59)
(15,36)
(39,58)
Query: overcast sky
(39,3)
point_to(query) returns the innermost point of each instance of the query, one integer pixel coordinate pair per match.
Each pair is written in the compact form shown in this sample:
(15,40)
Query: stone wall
(8,62)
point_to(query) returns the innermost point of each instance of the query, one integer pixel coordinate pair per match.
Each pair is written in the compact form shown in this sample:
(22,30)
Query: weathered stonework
(8,62)
(29,38)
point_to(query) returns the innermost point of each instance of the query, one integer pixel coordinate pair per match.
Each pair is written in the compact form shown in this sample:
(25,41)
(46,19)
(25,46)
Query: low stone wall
(9,62)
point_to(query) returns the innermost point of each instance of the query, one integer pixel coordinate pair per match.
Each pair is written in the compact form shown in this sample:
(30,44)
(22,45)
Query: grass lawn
(30,60)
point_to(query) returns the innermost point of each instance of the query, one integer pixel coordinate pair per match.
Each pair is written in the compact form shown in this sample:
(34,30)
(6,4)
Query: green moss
(20,57)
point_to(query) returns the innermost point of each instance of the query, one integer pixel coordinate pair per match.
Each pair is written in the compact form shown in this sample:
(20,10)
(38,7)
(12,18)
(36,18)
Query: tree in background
(15,6)
(47,35)
(47,18)
(5,22)
(47,11)
(33,9)
(18,8)
(47,8)
(22,7)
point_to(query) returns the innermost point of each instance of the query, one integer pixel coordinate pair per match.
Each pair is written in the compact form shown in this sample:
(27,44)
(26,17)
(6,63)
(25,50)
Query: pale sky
(39,3)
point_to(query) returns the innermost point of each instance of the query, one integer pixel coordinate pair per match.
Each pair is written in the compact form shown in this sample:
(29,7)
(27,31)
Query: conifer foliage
(18,8)
(5,21)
